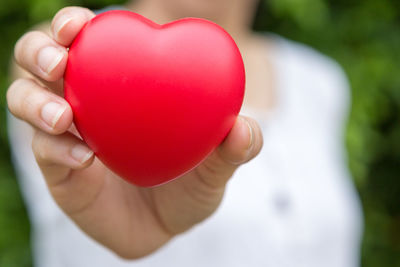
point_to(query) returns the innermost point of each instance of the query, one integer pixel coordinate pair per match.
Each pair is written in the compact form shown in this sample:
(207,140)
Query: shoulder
(314,76)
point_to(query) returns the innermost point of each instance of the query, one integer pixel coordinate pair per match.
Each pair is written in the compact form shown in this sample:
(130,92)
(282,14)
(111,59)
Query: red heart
(151,100)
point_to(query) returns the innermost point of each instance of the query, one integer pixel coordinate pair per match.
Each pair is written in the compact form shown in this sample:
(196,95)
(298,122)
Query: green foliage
(363,35)
(298,11)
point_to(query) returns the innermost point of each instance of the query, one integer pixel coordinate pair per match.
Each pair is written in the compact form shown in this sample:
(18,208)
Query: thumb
(241,145)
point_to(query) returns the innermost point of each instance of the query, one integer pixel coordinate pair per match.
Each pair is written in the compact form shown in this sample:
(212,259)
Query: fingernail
(81,153)
(60,25)
(250,133)
(48,59)
(52,112)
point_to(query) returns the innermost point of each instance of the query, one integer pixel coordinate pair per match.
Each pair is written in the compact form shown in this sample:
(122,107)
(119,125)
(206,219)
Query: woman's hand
(130,220)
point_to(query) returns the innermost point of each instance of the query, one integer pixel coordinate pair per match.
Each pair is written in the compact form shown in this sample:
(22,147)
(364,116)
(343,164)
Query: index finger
(68,22)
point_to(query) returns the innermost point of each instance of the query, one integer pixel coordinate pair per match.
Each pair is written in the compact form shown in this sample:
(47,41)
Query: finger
(39,107)
(58,154)
(37,53)
(68,22)
(241,145)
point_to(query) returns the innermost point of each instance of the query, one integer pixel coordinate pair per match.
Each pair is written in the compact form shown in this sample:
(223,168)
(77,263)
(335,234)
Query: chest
(292,195)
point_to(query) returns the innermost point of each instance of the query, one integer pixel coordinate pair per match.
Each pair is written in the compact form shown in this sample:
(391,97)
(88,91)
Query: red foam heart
(151,100)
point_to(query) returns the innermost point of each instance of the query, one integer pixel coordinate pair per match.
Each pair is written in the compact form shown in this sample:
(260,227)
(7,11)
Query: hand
(130,220)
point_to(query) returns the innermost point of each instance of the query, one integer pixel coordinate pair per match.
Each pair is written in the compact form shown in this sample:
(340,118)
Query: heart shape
(153,101)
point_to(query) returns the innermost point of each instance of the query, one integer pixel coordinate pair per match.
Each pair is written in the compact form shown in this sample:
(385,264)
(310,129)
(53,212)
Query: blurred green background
(362,35)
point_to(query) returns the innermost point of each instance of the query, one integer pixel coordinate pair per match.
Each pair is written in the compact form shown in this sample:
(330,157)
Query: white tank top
(294,205)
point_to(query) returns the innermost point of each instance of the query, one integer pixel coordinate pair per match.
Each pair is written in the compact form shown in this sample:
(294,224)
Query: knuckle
(23,100)
(213,174)
(11,93)
(19,47)
(23,47)
(217,164)
(70,11)
(13,96)
(60,14)
(39,146)
(64,11)
(26,38)
(78,10)
(88,13)
(27,103)
(213,170)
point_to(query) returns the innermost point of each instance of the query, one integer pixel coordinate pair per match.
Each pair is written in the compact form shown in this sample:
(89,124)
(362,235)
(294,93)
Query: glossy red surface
(151,100)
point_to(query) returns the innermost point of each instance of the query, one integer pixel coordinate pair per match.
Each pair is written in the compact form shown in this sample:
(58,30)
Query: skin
(129,220)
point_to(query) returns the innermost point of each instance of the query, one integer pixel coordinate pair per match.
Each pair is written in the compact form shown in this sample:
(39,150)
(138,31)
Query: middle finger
(37,53)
